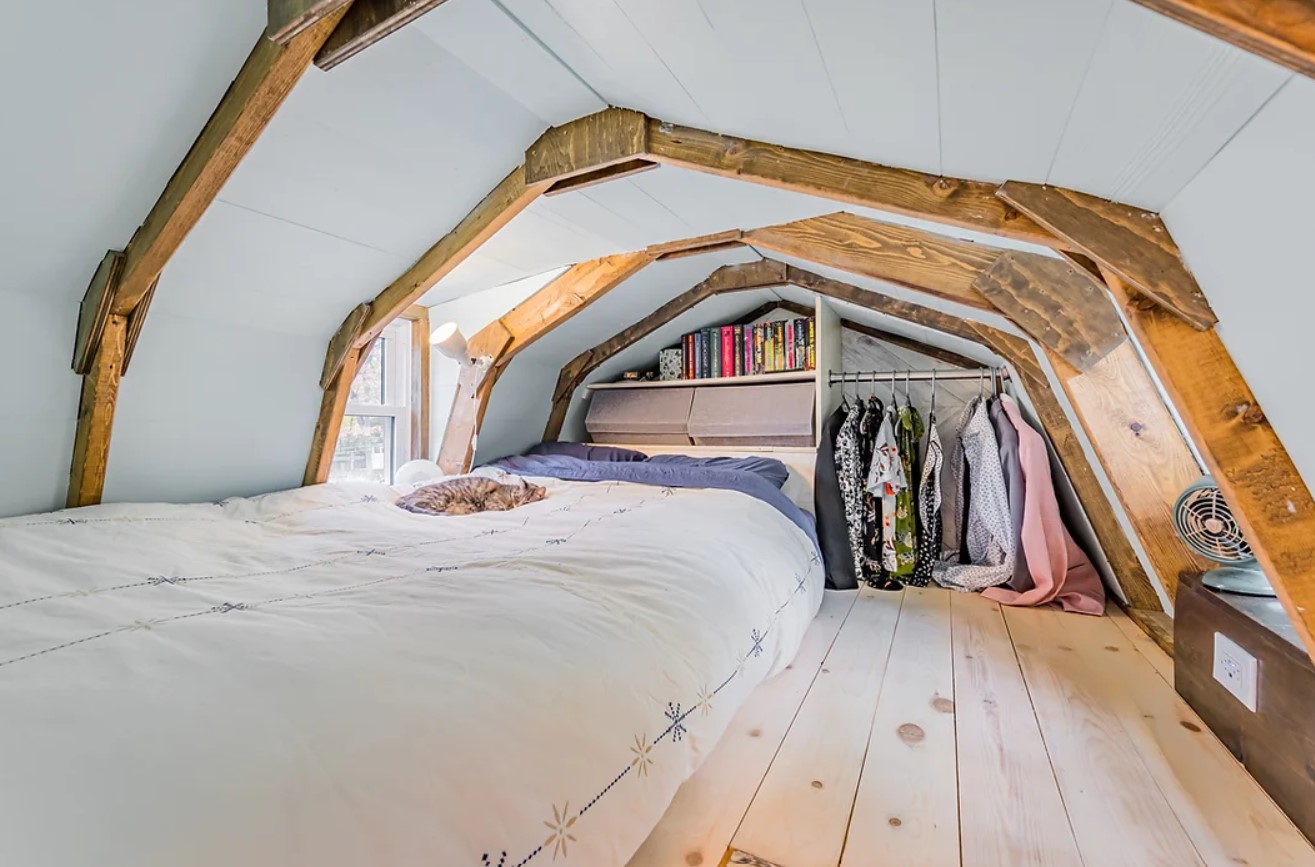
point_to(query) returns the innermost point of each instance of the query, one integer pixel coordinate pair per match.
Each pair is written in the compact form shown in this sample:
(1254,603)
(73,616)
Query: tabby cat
(469,495)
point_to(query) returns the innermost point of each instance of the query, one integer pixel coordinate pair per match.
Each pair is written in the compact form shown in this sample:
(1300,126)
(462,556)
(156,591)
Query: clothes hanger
(931,413)
(908,393)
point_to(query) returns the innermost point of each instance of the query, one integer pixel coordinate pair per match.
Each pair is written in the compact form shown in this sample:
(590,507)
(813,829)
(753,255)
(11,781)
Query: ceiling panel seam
(1223,147)
(547,50)
(1077,96)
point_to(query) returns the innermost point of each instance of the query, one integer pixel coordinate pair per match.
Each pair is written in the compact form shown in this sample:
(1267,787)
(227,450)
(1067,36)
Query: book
(739,349)
(757,349)
(812,344)
(789,345)
(728,350)
(778,345)
(769,348)
(714,351)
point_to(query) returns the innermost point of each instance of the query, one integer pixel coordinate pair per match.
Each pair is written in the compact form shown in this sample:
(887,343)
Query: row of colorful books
(749,350)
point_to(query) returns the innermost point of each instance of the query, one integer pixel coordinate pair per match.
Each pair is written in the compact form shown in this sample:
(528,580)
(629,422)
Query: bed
(316,677)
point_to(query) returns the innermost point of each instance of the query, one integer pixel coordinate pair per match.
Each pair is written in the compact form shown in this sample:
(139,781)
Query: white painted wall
(38,401)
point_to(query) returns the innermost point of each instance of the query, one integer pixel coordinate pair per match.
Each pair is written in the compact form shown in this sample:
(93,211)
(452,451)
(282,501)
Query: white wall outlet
(1237,670)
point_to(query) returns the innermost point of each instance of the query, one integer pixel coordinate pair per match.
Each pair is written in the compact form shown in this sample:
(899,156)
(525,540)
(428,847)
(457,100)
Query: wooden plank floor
(936,728)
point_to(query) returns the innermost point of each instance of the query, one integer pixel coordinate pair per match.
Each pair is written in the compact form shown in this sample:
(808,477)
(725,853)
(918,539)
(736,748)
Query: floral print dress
(886,480)
(872,534)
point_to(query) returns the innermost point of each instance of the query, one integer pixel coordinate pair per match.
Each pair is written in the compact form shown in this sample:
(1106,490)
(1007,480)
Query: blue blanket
(662,474)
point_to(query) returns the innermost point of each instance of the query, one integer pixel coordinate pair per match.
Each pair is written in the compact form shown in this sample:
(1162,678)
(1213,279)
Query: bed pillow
(587,452)
(768,468)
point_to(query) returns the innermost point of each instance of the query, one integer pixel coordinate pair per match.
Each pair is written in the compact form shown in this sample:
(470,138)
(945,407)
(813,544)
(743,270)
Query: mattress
(318,677)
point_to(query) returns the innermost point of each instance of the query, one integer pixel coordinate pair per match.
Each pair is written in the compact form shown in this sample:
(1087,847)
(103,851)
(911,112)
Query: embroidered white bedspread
(317,677)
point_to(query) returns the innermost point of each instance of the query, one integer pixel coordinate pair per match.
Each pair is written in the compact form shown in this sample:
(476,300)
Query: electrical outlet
(1237,670)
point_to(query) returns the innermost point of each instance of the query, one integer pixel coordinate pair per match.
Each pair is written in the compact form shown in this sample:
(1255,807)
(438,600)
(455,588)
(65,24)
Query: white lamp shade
(448,339)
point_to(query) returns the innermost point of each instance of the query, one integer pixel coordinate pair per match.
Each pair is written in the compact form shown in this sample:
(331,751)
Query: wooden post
(100,391)
(1242,451)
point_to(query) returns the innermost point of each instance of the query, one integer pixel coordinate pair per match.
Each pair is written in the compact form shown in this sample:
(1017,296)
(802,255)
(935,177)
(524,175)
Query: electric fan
(1205,522)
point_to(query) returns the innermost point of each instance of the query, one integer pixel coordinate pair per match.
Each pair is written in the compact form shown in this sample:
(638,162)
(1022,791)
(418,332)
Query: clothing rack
(880,376)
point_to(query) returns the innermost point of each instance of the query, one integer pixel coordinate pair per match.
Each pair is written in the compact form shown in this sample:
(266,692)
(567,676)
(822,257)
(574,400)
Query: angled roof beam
(288,18)
(622,134)
(1243,453)
(116,303)
(906,257)
(1279,30)
(502,340)
(367,22)
(1133,244)
(1064,307)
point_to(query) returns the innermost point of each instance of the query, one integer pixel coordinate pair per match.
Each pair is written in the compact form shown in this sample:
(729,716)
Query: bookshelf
(828,356)
(758,379)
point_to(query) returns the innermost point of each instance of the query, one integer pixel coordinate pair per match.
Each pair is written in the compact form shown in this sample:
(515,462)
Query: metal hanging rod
(901,376)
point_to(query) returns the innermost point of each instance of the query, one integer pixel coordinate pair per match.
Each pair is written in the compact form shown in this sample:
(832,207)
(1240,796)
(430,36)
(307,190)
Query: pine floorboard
(937,728)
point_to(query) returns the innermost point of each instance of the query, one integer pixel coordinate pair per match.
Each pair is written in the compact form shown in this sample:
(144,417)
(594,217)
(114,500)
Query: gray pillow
(587,452)
(768,468)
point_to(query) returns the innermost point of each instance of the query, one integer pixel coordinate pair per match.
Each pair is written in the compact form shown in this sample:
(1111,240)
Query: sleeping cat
(469,495)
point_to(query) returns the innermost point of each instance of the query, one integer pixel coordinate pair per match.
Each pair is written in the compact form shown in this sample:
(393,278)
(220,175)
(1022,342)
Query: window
(386,420)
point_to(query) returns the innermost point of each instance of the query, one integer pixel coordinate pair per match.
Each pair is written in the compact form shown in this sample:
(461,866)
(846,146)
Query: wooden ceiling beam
(906,257)
(288,18)
(367,22)
(1132,243)
(1062,306)
(587,146)
(1241,449)
(549,308)
(951,201)
(600,176)
(1282,31)
(123,297)
(939,354)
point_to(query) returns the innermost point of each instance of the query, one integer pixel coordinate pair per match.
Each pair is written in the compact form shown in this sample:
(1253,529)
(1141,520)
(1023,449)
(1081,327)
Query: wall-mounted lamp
(448,339)
(450,342)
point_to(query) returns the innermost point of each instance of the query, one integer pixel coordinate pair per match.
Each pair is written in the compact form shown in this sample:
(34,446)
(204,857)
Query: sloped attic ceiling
(366,166)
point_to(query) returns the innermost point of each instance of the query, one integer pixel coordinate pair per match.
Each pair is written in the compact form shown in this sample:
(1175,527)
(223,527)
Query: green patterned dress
(908,431)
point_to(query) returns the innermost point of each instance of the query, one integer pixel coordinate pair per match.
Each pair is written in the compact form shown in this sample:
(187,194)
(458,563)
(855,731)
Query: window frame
(406,374)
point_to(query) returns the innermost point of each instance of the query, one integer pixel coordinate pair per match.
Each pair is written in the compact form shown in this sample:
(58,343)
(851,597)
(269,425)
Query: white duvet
(319,678)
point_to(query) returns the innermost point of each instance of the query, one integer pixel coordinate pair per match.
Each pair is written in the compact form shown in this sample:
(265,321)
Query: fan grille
(1206,523)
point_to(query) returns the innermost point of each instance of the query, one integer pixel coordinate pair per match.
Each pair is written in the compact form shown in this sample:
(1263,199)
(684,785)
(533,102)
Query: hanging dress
(908,430)
(929,508)
(886,480)
(1060,571)
(954,479)
(871,505)
(849,472)
(1006,436)
(988,532)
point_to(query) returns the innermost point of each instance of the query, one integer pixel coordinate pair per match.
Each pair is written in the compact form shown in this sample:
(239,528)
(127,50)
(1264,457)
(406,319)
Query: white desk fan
(1205,522)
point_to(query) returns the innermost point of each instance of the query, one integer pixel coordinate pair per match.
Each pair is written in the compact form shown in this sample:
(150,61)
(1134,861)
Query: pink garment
(1060,570)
